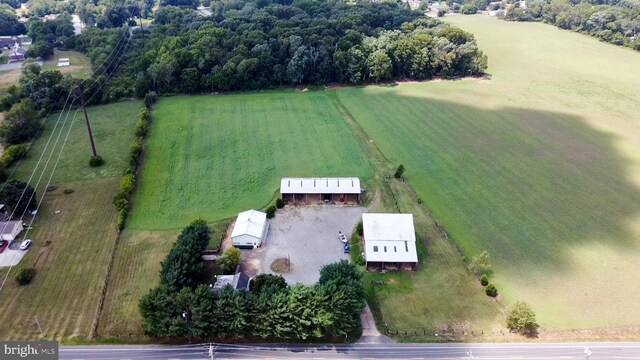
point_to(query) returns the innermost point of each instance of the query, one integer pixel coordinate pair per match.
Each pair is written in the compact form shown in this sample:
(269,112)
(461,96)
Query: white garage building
(250,229)
(389,241)
(9,230)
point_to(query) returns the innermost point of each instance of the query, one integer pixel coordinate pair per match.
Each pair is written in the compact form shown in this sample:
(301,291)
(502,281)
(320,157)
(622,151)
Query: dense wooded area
(257,45)
(183,305)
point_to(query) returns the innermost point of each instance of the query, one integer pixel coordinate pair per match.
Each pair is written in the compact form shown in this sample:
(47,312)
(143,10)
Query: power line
(59,154)
(44,192)
(38,163)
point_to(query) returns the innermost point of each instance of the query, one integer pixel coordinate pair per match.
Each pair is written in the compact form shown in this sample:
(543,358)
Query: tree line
(613,21)
(184,306)
(248,45)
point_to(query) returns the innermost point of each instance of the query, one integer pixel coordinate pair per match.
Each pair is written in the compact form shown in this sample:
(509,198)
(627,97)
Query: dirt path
(370,334)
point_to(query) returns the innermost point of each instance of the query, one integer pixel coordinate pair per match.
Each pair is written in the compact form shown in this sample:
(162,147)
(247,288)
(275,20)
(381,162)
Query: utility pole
(86,119)
(141,28)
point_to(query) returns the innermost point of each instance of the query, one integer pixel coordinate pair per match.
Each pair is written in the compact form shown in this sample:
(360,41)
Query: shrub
(122,217)
(480,264)
(359,230)
(96,161)
(265,281)
(399,172)
(271,212)
(491,290)
(360,260)
(134,152)
(127,183)
(229,260)
(68,191)
(145,115)
(469,9)
(484,280)
(521,318)
(13,153)
(24,276)
(150,99)
(142,126)
(279,203)
(130,170)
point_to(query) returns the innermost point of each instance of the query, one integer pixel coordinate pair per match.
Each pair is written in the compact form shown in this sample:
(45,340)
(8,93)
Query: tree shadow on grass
(523,184)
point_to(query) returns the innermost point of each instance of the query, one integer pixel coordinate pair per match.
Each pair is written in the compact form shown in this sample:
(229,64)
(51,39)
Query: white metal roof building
(62,62)
(9,230)
(389,239)
(320,190)
(250,229)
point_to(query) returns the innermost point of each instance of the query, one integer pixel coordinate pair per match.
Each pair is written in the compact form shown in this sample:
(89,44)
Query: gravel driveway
(308,236)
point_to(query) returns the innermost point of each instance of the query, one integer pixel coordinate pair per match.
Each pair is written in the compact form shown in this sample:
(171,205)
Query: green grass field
(80,65)
(112,132)
(72,266)
(540,165)
(213,156)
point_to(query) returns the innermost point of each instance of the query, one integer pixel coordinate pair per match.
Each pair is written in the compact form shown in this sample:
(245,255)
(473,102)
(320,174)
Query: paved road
(597,351)
(14,65)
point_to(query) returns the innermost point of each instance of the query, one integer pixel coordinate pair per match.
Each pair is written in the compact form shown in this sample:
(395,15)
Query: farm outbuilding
(389,241)
(63,62)
(309,191)
(9,230)
(250,229)
(239,281)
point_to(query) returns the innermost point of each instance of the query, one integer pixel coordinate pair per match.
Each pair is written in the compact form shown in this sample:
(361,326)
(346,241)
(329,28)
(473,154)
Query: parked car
(3,245)
(342,237)
(346,248)
(26,244)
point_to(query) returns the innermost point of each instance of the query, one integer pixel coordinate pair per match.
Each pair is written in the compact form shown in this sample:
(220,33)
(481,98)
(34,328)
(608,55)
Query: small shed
(62,62)
(250,229)
(389,241)
(9,230)
(17,54)
(238,281)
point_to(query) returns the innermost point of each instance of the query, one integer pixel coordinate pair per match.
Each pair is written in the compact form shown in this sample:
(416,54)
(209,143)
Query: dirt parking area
(307,236)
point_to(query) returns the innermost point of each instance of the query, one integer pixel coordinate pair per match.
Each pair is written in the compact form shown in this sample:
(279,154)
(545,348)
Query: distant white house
(62,62)
(9,230)
(250,229)
(389,240)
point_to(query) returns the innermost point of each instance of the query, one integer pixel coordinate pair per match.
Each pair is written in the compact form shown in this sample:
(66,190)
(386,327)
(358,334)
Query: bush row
(128,183)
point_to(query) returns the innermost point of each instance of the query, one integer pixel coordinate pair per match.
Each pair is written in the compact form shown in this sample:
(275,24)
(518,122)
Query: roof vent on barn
(327,182)
(314,182)
(338,182)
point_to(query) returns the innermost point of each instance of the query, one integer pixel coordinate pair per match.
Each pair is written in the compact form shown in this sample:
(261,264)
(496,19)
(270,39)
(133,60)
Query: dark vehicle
(3,245)
(346,248)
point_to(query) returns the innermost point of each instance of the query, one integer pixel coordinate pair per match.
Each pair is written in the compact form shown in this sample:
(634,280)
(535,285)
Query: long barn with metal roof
(310,191)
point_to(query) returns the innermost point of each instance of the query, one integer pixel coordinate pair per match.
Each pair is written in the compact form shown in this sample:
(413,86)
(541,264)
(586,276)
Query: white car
(26,244)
